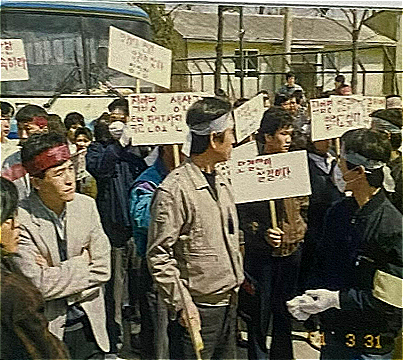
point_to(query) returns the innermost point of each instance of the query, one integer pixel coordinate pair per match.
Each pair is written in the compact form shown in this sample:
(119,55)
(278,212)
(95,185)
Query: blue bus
(66,46)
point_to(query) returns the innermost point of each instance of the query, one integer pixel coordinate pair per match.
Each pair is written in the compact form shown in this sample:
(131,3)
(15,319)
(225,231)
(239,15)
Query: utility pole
(287,38)
(218,61)
(241,35)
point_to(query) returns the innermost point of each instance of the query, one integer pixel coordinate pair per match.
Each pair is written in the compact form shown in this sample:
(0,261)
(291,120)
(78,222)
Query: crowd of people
(137,232)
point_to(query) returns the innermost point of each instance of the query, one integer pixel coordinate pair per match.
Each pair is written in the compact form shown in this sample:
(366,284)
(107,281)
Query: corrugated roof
(269,29)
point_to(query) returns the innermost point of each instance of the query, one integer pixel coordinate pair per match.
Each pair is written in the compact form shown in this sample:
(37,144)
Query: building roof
(199,26)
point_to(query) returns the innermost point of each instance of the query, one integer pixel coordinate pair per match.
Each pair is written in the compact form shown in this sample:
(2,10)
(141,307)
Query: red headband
(47,159)
(40,121)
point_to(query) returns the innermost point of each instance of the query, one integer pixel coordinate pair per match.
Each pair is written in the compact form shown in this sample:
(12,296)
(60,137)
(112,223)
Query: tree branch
(362,19)
(346,13)
(339,23)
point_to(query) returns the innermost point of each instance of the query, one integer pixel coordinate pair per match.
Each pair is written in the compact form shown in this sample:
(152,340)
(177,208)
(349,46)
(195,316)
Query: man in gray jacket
(63,249)
(193,239)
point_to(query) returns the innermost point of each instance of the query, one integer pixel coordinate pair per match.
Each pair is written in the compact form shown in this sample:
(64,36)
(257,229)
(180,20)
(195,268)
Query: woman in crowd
(24,328)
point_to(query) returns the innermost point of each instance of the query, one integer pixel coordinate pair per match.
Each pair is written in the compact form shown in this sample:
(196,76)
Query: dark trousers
(82,344)
(277,279)
(218,331)
(154,318)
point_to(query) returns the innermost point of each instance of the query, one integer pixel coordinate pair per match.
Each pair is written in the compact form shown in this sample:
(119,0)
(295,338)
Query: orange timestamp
(351,340)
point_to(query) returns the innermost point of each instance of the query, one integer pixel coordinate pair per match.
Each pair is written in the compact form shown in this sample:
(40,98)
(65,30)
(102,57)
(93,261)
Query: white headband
(206,128)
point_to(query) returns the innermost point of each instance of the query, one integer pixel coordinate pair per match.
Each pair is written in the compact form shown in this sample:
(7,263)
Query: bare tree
(355,22)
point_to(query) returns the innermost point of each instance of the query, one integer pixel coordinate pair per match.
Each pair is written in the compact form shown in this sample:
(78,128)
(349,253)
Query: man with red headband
(63,248)
(31,119)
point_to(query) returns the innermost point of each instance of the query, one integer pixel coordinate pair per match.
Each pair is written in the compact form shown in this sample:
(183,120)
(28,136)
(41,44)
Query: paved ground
(302,350)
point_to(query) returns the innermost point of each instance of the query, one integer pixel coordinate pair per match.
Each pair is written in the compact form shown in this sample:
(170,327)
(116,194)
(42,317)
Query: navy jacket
(356,246)
(114,168)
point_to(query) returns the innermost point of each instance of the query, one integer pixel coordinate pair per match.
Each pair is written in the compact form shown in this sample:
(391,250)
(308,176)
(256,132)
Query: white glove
(294,307)
(116,129)
(323,300)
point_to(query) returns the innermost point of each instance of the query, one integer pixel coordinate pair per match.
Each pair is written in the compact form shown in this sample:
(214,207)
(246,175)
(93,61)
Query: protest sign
(159,118)
(321,114)
(248,116)
(267,177)
(13,60)
(370,104)
(246,150)
(137,57)
(331,118)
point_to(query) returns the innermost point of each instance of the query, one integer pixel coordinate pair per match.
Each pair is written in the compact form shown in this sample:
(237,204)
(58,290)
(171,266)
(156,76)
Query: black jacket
(114,168)
(356,244)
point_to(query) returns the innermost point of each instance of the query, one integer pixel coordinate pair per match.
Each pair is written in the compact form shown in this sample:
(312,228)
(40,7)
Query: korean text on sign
(270,176)
(159,118)
(137,57)
(13,60)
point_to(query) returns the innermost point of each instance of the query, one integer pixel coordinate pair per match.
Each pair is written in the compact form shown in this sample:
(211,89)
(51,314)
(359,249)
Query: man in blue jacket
(154,313)
(360,258)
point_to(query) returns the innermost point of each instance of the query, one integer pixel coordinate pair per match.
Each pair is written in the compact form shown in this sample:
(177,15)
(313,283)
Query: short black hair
(6,108)
(289,75)
(73,118)
(26,113)
(55,124)
(386,97)
(101,128)
(83,131)
(37,144)
(371,144)
(205,111)
(9,199)
(282,98)
(119,104)
(239,102)
(274,119)
(299,96)
(340,79)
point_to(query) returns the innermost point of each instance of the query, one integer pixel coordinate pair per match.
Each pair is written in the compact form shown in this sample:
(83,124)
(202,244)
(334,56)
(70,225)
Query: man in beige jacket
(193,239)
(63,249)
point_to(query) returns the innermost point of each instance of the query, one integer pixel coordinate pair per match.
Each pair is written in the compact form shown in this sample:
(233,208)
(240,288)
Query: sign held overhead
(139,58)
(13,60)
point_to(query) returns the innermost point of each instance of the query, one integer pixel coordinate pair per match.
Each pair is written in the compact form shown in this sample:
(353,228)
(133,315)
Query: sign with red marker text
(332,117)
(248,117)
(159,118)
(137,57)
(268,177)
(13,60)
(246,150)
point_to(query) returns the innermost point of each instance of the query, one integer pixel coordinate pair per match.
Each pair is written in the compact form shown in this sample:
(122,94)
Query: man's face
(72,131)
(223,149)
(58,185)
(279,142)
(351,177)
(322,146)
(290,105)
(10,234)
(291,81)
(5,125)
(82,142)
(26,129)
(118,114)
(337,84)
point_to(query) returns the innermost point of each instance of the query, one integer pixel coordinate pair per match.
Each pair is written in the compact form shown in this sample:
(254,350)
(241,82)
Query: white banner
(267,177)
(331,118)
(13,60)
(158,119)
(246,150)
(248,117)
(137,57)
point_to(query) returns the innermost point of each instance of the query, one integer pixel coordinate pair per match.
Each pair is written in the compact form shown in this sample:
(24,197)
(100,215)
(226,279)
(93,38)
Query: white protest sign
(267,177)
(13,60)
(321,117)
(372,103)
(331,118)
(137,57)
(246,150)
(248,117)
(157,119)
